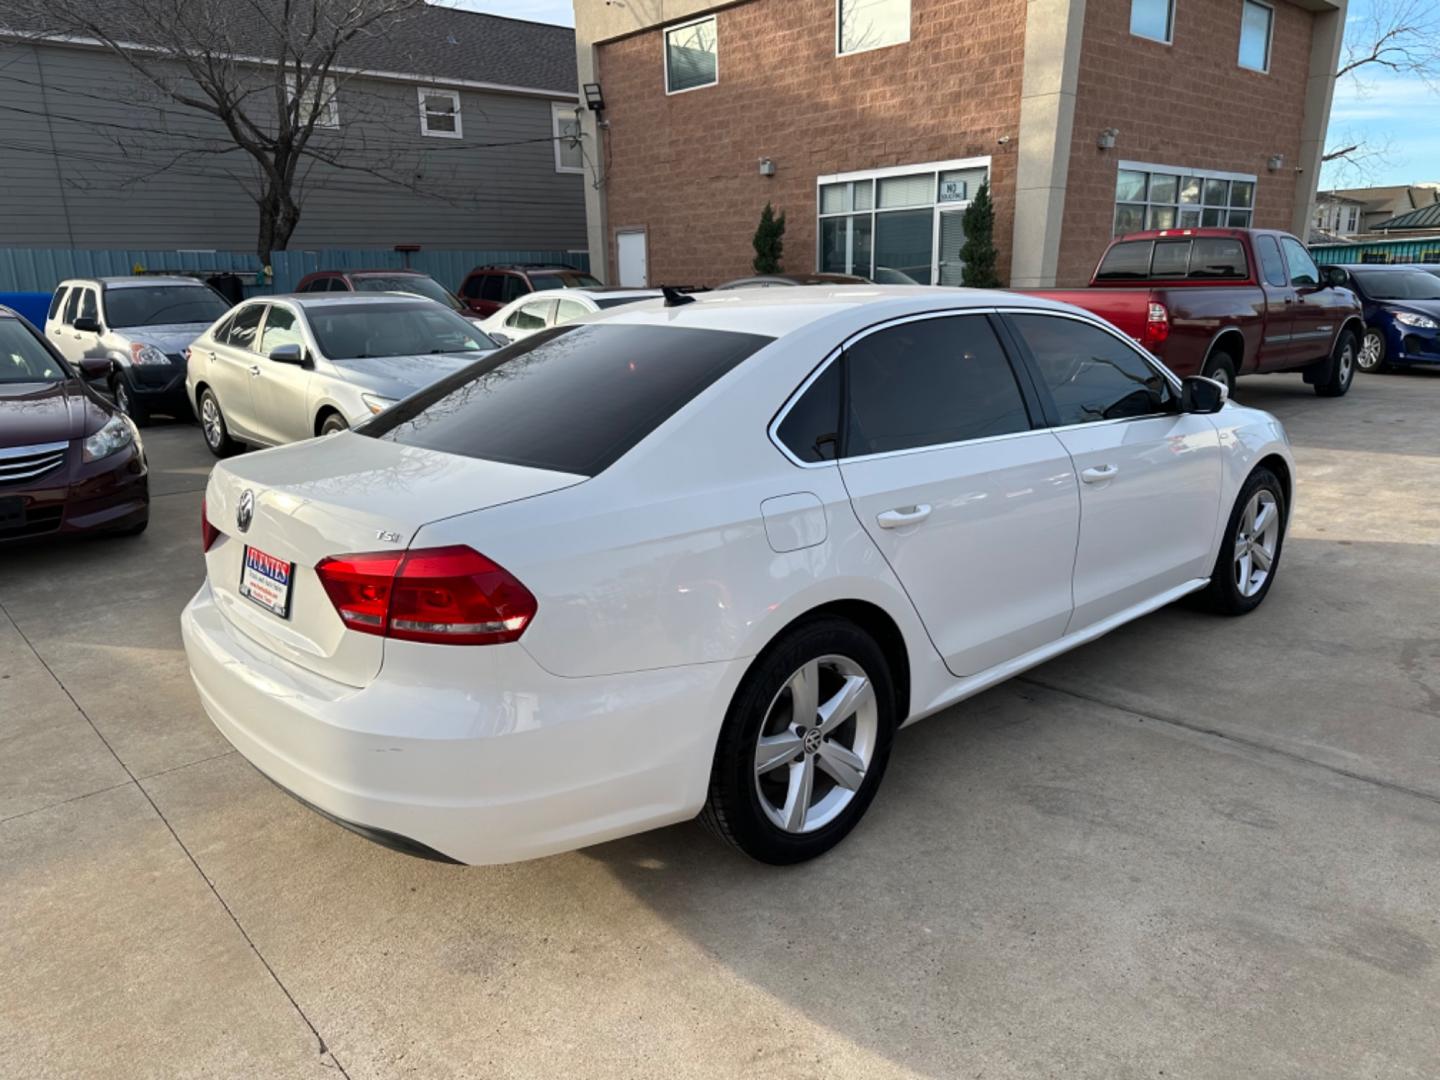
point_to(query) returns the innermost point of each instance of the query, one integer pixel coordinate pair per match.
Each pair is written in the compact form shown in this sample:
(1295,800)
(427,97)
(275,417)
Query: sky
(1399,115)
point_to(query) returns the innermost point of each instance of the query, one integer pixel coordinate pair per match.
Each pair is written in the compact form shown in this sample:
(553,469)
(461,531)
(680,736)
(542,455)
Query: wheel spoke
(856,692)
(1242,576)
(1248,528)
(1261,557)
(776,750)
(844,766)
(805,694)
(797,800)
(1262,518)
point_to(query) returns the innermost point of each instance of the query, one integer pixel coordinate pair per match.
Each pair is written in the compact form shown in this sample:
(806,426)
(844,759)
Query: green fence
(41,269)
(1425,249)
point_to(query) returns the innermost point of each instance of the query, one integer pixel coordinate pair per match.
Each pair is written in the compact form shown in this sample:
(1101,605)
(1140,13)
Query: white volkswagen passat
(706,559)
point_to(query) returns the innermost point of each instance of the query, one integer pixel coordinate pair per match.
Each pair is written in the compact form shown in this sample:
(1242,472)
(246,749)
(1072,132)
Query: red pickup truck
(1228,302)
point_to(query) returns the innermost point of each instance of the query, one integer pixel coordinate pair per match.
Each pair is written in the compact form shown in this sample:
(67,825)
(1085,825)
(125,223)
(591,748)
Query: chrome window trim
(773,430)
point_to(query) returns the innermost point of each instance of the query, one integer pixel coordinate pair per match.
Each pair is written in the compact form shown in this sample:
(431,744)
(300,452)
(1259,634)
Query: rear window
(1204,257)
(570,399)
(1218,257)
(563,281)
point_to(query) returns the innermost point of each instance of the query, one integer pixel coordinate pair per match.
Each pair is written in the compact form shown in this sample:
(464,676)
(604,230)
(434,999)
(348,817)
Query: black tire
(1371,357)
(1340,368)
(125,400)
(1223,594)
(1221,368)
(332,423)
(216,434)
(733,811)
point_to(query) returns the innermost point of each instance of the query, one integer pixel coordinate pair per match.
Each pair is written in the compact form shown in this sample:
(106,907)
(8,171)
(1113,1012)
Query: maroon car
(381,281)
(69,462)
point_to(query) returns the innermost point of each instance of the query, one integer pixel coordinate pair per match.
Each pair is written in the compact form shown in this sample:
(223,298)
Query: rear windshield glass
(1217,257)
(363,331)
(617,301)
(156,305)
(564,280)
(571,399)
(1205,257)
(417,284)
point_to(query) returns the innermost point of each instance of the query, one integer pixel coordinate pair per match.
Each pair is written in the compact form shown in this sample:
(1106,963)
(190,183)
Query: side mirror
(289,353)
(94,367)
(88,325)
(1335,277)
(1201,395)
(498,338)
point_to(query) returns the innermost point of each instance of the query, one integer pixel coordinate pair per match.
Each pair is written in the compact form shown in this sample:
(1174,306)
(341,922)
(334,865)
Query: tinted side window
(280,329)
(1127,261)
(1302,267)
(811,429)
(492,287)
(241,334)
(928,383)
(1217,257)
(470,287)
(570,310)
(338,285)
(89,309)
(514,287)
(317,285)
(55,302)
(1270,262)
(1091,375)
(72,305)
(572,399)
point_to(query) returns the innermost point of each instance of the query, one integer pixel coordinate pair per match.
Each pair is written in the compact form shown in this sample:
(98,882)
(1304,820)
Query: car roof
(370,273)
(777,312)
(592,294)
(135,281)
(347,299)
(530,266)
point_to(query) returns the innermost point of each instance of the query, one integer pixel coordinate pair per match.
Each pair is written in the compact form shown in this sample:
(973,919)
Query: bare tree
(268,72)
(1399,37)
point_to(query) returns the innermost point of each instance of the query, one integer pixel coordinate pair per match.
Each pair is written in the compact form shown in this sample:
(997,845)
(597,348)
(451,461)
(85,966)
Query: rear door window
(72,305)
(490,286)
(241,334)
(929,383)
(512,287)
(570,399)
(1090,374)
(811,429)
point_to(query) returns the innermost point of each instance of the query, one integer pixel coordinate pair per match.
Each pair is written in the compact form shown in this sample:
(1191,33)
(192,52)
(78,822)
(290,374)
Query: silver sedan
(280,369)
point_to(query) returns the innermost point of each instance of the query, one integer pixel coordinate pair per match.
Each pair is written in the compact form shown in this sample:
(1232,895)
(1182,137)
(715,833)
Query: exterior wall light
(1106,139)
(1276,162)
(767,167)
(594,99)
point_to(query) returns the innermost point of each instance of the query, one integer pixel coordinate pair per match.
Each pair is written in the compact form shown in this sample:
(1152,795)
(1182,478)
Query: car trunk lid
(344,494)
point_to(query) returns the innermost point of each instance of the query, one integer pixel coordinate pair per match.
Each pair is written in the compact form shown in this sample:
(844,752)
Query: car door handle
(904,515)
(254,370)
(1098,474)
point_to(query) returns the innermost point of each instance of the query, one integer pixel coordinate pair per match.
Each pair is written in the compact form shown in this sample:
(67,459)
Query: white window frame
(559,110)
(1269,36)
(1169,22)
(839,17)
(665,53)
(874,176)
(423,92)
(329,119)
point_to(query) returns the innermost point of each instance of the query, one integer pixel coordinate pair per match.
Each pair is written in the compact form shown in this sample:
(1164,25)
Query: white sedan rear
(707,559)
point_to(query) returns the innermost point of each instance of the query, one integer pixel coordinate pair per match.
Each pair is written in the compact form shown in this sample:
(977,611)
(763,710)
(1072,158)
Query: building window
(440,113)
(1159,197)
(900,226)
(1256,23)
(691,59)
(569,150)
(861,25)
(329,108)
(1154,19)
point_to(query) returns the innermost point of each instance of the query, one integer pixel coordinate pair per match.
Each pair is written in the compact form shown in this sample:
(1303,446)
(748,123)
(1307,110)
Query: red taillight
(1157,325)
(450,595)
(208,533)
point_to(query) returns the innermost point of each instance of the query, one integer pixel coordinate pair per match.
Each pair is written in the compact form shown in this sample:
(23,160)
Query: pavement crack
(1238,740)
(320,1039)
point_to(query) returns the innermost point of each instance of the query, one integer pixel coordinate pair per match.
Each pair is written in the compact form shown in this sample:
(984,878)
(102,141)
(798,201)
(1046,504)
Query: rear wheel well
(200,389)
(1232,344)
(876,622)
(325,413)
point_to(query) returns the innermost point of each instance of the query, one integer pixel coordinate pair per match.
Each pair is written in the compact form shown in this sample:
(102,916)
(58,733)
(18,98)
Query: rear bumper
(478,755)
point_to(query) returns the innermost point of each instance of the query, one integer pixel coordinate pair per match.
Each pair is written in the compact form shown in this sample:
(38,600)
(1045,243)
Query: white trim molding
(562,111)
(425,92)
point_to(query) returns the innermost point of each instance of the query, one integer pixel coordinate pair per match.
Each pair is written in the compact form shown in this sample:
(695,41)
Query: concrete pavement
(1199,847)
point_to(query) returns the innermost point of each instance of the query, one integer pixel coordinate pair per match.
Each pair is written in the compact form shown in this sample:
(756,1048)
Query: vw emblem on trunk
(245,512)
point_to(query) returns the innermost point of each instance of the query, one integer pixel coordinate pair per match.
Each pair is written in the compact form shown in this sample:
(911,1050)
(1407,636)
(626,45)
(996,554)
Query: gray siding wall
(91,158)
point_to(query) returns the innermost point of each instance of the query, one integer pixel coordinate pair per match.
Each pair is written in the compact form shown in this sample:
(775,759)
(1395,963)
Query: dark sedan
(69,462)
(1402,316)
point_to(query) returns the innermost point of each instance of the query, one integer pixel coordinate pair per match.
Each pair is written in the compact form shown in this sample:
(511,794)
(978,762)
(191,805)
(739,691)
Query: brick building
(871,123)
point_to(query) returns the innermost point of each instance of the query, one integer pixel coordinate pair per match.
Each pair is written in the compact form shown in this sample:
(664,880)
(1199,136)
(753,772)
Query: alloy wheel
(1347,362)
(1371,351)
(1256,542)
(816,743)
(211,422)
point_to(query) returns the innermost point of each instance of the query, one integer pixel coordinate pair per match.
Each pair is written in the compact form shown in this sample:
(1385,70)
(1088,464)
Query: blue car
(1402,316)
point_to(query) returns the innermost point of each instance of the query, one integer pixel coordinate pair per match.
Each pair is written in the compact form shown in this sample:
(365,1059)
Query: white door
(949,239)
(977,514)
(630,252)
(1150,476)
(279,394)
